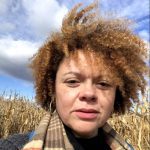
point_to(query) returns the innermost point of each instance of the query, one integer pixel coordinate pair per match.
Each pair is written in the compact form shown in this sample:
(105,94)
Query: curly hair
(84,28)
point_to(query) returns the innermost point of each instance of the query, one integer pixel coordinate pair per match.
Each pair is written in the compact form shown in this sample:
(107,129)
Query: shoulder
(114,139)
(16,141)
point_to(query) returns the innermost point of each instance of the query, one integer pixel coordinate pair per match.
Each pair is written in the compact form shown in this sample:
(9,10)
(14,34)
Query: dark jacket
(16,141)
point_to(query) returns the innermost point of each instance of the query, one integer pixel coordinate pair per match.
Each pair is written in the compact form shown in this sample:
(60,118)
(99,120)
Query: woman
(83,74)
(92,68)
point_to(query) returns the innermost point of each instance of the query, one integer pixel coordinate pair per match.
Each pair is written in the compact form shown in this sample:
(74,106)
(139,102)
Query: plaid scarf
(51,135)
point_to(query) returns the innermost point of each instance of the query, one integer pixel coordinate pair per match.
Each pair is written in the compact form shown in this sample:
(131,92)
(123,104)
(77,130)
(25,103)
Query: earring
(52,104)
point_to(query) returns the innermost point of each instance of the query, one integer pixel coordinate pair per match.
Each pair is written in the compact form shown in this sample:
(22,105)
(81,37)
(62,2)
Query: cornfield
(19,115)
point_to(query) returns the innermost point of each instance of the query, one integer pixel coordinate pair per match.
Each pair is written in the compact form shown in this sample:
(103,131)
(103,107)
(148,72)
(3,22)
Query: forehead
(86,62)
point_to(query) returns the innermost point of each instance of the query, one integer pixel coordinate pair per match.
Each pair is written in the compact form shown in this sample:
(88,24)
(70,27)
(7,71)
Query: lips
(88,114)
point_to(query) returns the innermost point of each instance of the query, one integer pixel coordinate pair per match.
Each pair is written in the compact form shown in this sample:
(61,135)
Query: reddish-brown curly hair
(122,50)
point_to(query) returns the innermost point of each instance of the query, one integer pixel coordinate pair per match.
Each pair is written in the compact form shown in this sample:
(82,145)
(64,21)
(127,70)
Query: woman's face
(85,95)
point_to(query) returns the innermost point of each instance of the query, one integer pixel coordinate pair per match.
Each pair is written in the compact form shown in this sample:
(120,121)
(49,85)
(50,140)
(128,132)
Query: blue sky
(25,24)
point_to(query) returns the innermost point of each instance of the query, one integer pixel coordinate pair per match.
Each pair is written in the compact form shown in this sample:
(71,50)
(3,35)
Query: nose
(88,93)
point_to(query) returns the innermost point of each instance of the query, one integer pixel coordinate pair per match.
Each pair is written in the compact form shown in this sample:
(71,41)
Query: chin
(84,129)
(85,134)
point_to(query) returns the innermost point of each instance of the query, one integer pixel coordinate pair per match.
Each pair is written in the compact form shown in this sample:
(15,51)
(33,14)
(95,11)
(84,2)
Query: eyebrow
(71,72)
(81,75)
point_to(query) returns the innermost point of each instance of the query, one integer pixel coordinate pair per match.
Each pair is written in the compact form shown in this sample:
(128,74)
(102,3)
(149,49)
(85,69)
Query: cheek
(64,105)
(61,105)
(65,94)
(109,107)
(64,99)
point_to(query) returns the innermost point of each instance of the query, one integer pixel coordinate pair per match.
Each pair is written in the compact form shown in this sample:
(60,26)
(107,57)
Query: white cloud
(44,17)
(40,17)
(3,6)
(7,27)
(17,48)
(25,19)
(9,6)
(14,57)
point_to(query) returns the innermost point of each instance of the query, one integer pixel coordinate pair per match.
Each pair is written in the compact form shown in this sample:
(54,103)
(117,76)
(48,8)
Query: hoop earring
(52,104)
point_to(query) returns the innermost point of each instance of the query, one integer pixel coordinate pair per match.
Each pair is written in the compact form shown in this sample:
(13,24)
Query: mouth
(86,114)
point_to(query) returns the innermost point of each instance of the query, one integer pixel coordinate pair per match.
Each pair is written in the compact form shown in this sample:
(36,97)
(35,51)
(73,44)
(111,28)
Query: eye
(72,82)
(104,85)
